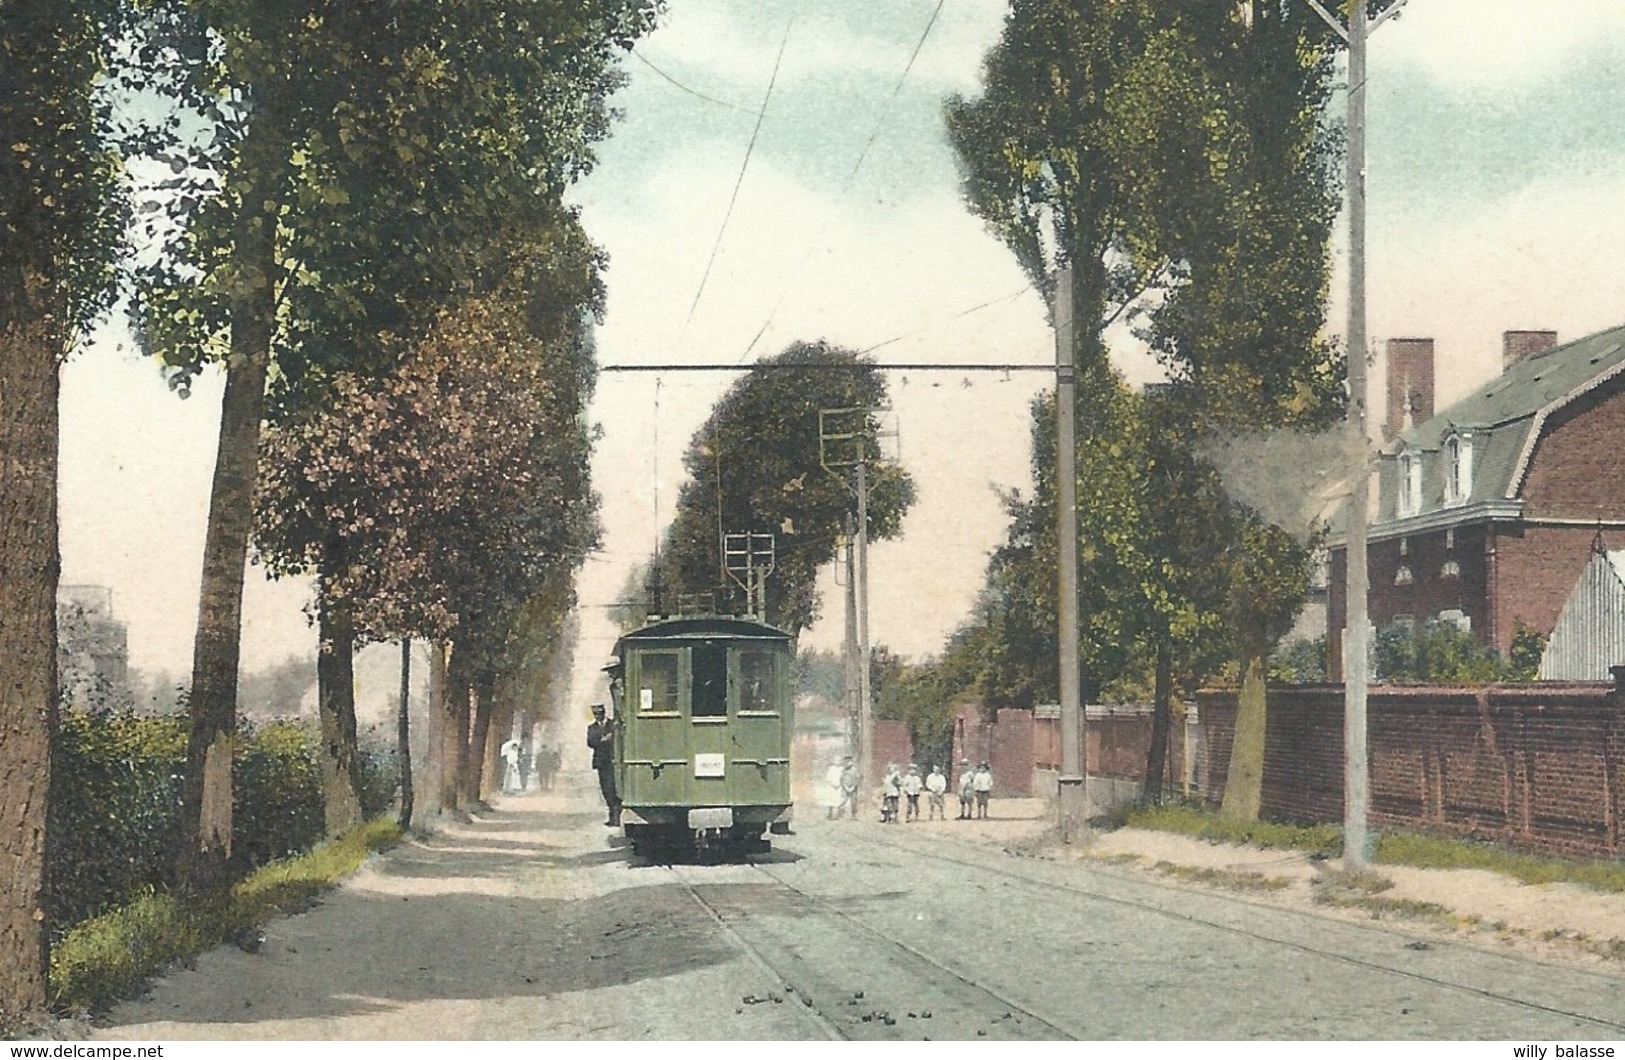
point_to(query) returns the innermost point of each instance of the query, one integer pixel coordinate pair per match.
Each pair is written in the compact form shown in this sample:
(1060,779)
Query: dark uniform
(601,738)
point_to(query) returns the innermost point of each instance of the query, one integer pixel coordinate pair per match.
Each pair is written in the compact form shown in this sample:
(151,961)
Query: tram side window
(659,682)
(710,681)
(756,681)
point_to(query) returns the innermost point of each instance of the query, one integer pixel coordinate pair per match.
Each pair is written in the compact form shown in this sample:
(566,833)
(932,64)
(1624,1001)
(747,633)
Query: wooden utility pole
(1357,621)
(844,438)
(849,645)
(866,719)
(1073,795)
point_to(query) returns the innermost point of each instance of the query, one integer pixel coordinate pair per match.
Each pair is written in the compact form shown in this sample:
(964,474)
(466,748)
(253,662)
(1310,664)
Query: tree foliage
(368,167)
(754,467)
(447,501)
(1176,156)
(438,498)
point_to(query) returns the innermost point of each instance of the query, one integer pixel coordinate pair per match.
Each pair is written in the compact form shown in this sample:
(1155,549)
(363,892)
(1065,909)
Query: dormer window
(1410,485)
(1458,469)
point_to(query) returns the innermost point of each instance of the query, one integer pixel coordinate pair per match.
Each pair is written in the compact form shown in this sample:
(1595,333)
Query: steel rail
(1060,1033)
(1190,918)
(827,1026)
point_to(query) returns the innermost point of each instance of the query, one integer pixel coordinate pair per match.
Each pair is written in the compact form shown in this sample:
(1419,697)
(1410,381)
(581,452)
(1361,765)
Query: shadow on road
(459,915)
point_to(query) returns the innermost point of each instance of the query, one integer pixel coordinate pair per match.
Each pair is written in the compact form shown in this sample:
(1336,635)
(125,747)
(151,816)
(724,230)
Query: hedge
(114,814)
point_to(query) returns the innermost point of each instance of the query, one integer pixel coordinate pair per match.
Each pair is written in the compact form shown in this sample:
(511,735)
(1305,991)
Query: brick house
(1485,512)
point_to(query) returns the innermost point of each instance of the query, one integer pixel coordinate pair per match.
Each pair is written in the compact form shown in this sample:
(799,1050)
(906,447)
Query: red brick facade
(1504,569)
(1540,767)
(1410,384)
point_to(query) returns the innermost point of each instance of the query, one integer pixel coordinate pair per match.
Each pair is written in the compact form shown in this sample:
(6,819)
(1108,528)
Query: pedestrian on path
(912,786)
(967,789)
(849,789)
(830,795)
(891,792)
(601,738)
(936,787)
(555,760)
(983,786)
(510,768)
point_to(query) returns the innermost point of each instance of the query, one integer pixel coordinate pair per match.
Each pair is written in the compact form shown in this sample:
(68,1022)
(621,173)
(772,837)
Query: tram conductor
(601,738)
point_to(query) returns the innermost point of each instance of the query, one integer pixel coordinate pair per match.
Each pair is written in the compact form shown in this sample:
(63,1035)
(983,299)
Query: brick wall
(1534,766)
(892,744)
(1023,747)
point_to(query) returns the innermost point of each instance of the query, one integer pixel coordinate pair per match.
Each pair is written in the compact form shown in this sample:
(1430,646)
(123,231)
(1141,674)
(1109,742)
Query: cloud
(1496,47)
(1536,258)
(715,49)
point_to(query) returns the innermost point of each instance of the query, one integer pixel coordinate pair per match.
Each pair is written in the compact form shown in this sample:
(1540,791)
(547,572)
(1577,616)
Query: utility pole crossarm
(1386,15)
(1329,18)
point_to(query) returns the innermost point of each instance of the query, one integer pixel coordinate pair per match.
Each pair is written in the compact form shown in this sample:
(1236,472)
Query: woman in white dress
(830,795)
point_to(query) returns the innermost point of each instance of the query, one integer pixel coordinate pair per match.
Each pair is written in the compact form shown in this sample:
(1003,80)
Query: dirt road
(530,923)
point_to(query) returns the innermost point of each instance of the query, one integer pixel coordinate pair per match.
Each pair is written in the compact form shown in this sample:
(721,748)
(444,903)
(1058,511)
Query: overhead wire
(874,134)
(691,91)
(739,182)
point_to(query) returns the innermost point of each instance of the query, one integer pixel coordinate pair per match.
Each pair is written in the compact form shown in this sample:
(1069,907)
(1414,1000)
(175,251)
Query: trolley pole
(1073,795)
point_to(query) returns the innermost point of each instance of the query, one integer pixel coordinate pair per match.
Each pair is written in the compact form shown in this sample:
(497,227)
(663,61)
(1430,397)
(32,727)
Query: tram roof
(699,627)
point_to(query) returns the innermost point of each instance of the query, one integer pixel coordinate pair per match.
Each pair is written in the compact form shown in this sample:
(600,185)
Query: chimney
(1516,345)
(1410,385)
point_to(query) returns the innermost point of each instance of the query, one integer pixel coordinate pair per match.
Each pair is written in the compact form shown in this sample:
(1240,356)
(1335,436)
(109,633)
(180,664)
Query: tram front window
(710,681)
(659,684)
(756,681)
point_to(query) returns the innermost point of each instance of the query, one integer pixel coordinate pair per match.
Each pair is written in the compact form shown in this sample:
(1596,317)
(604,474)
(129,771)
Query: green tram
(703,723)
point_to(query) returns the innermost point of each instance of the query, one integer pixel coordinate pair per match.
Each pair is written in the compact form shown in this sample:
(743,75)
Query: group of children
(975,788)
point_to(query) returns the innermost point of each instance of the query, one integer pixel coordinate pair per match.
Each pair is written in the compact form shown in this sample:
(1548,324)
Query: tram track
(964,1007)
(1048,887)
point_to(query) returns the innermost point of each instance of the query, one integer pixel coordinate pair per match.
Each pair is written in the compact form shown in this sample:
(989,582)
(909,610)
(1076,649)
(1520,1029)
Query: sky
(1496,165)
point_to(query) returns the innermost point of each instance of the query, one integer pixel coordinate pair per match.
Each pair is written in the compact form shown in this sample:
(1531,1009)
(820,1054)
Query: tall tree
(1243,334)
(61,218)
(439,500)
(1178,146)
(754,467)
(371,154)
(1086,116)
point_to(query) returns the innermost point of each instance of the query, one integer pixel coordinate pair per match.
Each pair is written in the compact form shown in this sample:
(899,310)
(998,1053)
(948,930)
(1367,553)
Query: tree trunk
(28,680)
(335,705)
(501,728)
(1244,784)
(434,740)
(403,734)
(1156,762)
(474,749)
(206,796)
(455,731)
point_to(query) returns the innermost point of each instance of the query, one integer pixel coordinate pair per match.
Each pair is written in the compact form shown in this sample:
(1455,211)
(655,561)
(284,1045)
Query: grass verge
(1202,824)
(110,956)
(1393,848)
(1230,879)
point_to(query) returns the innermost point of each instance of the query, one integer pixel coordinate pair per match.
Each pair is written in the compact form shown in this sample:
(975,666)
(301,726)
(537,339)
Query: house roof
(1506,415)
